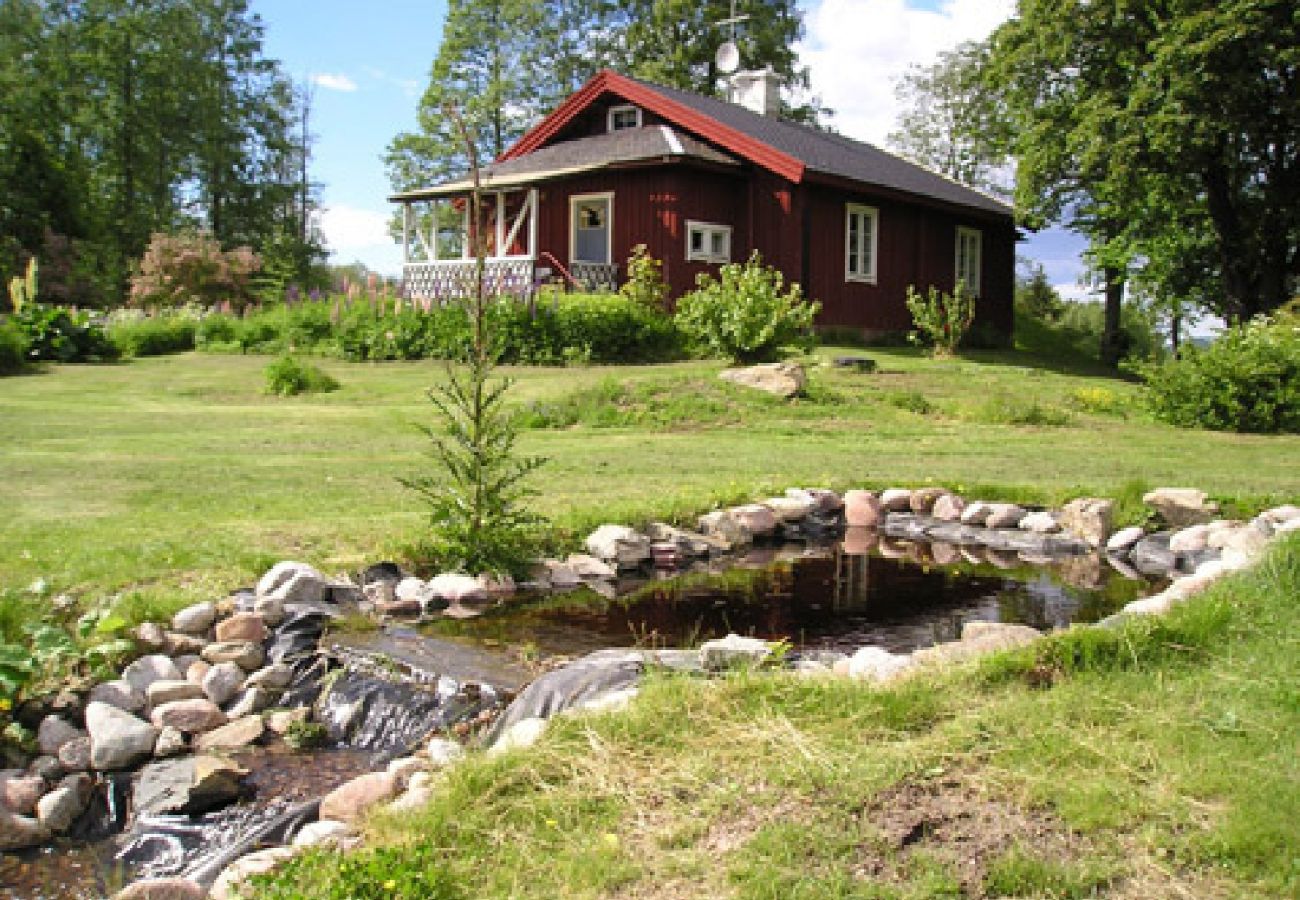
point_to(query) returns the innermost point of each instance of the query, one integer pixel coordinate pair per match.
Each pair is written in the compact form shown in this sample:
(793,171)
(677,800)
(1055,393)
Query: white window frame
(615,110)
(863,274)
(970,273)
(708,230)
(576,199)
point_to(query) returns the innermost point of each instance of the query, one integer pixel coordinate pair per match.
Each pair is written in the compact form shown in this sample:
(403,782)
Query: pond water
(834,596)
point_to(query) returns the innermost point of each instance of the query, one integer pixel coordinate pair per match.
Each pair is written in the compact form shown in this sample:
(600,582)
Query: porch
(437,242)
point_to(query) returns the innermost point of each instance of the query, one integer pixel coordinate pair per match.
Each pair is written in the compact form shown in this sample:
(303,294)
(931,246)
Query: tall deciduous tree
(952,120)
(1144,118)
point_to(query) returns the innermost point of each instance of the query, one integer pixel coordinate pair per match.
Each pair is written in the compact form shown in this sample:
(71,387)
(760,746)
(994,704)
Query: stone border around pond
(206,688)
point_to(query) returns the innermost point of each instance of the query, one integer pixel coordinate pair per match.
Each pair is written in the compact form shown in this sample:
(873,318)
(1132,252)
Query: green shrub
(942,318)
(1018,411)
(1248,381)
(745,315)
(1099,400)
(13,349)
(912,401)
(56,334)
(645,285)
(287,377)
(153,335)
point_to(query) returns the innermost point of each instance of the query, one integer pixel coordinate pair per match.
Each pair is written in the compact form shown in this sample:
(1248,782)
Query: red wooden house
(702,181)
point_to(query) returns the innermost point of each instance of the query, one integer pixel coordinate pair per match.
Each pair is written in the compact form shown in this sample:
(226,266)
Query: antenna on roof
(727,59)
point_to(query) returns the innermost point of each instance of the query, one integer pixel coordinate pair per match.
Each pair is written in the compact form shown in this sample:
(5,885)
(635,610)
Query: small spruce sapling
(476,488)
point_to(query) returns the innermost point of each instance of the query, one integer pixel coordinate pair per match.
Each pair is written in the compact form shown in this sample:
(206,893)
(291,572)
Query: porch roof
(629,145)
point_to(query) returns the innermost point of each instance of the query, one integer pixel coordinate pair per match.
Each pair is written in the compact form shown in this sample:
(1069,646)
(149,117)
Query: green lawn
(178,476)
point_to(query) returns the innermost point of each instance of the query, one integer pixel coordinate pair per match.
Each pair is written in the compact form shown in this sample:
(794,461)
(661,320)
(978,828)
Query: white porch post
(406,232)
(501,224)
(532,223)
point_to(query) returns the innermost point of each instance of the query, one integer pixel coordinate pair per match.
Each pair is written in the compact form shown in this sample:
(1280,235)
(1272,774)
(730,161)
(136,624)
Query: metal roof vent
(758,91)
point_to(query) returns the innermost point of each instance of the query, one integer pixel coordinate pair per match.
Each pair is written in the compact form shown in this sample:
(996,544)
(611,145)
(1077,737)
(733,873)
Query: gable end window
(861,228)
(707,242)
(968,259)
(621,117)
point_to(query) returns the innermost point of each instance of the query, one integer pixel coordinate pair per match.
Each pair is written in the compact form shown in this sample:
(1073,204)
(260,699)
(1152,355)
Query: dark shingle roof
(833,154)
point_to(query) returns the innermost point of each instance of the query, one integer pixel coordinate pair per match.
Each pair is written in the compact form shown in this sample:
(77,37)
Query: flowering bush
(192,268)
(941,317)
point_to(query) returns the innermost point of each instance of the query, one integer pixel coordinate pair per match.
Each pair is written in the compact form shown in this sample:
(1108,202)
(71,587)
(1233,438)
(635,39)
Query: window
(860,227)
(968,259)
(706,242)
(589,216)
(620,117)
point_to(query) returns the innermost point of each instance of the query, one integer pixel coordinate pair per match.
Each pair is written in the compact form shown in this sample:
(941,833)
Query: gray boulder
(293,582)
(196,619)
(1180,507)
(245,654)
(54,732)
(1152,556)
(733,650)
(223,682)
(189,785)
(618,545)
(61,807)
(783,379)
(118,739)
(148,669)
(19,832)
(120,694)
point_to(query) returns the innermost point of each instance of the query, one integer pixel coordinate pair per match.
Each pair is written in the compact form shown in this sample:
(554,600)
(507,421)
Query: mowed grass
(1159,761)
(178,477)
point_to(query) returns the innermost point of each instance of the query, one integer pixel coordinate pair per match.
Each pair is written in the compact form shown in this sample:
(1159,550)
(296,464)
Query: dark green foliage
(1248,380)
(413,872)
(13,348)
(55,334)
(912,401)
(153,335)
(287,377)
(1076,333)
(746,314)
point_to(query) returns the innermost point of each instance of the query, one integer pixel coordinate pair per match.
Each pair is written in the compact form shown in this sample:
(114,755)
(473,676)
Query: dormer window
(621,117)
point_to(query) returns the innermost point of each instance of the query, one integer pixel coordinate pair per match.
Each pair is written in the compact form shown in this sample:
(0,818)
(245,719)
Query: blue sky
(369,63)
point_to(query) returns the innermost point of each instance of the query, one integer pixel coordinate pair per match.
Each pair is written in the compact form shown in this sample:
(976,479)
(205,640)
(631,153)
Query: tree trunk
(1113,342)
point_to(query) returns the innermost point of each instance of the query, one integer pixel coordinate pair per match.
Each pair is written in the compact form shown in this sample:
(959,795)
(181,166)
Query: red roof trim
(755,151)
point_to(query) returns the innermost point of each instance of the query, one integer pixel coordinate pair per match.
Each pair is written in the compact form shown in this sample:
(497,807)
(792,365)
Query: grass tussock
(1148,761)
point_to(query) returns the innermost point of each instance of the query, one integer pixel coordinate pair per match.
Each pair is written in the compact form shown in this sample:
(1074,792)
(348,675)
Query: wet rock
(874,664)
(826,502)
(245,654)
(148,669)
(1189,541)
(161,692)
(240,733)
(49,767)
(54,732)
(380,593)
(1004,515)
(755,518)
(162,889)
(188,785)
(519,736)
(945,554)
(922,500)
(19,793)
(1180,507)
(196,619)
(1041,522)
(589,567)
(327,833)
(61,807)
(245,626)
(227,885)
(782,379)
(254,700)
(281,721)
(179,645)
(948,508)
(983,639)
(1152,556)
(1122,541)
(722,525)
(171,742)
(349,802)
(1083,572)
(442,752)
(618,545)
(18,832)
(293,582)
(409,590)
(276,676)
(862,509)
(190,716)
(896,500)
(118,739)
(1122,567)
(223,682)
(560,575)
(733,650)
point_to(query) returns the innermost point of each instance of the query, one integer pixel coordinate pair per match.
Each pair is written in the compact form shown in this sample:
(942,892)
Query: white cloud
(856,50)
(353,233)
(334,82)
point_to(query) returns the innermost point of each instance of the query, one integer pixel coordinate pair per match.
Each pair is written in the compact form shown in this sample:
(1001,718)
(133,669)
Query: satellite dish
(727,58)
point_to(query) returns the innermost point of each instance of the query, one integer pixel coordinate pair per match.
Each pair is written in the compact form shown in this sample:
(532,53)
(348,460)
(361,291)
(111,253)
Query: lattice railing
(596,276)
(449,279)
